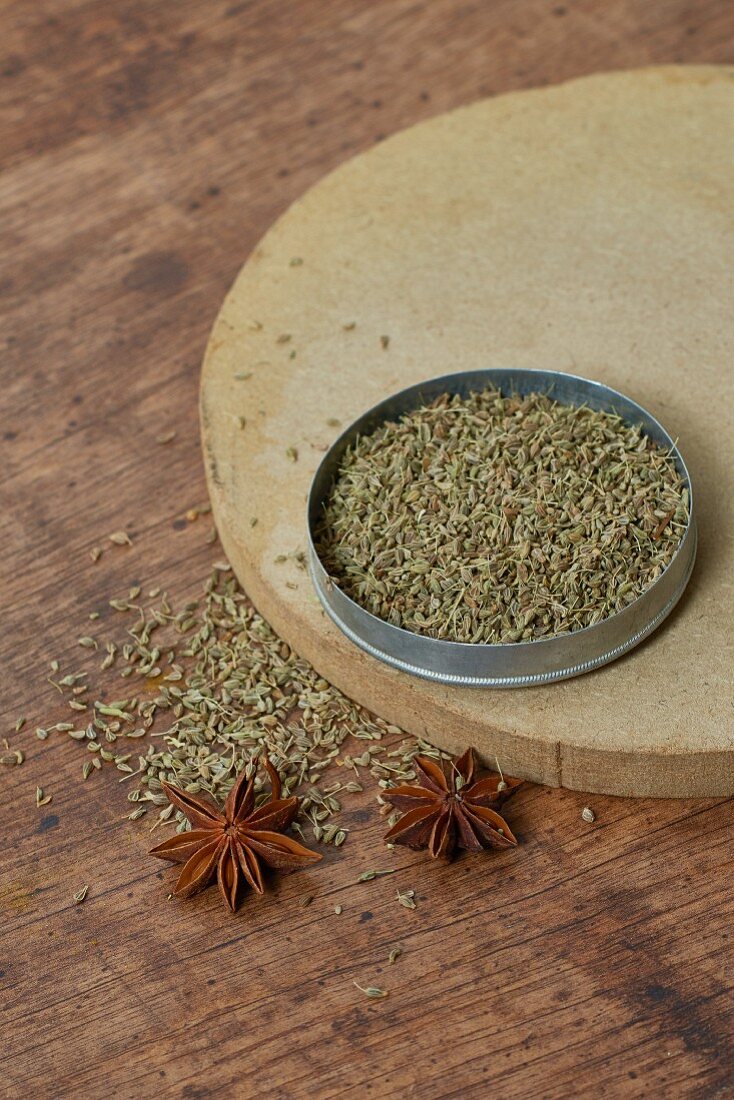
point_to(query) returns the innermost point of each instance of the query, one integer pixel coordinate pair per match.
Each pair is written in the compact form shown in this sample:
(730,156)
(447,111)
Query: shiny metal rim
(506,681)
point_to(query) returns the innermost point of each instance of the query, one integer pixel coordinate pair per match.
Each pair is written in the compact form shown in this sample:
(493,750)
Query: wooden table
(147,146)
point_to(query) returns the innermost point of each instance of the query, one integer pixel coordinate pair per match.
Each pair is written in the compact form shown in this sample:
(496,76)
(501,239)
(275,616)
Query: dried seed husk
(372,991)
(120,538)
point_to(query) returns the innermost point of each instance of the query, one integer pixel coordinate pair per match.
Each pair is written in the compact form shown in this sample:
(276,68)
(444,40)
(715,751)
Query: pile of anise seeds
(492,519)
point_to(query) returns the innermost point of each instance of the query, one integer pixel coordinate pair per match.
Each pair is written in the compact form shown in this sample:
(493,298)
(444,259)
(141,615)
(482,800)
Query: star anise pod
(233,843)
(446,809)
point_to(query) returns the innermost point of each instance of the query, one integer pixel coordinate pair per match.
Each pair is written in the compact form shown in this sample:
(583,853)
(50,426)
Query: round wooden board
(585,227)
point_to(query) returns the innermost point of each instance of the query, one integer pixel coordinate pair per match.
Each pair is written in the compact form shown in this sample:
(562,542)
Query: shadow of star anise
(447,809)
(233,843)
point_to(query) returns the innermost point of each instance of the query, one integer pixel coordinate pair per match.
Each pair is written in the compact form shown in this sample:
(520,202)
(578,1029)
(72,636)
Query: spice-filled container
(501,528)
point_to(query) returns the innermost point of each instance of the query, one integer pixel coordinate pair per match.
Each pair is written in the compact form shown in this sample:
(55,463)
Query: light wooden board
(584,227)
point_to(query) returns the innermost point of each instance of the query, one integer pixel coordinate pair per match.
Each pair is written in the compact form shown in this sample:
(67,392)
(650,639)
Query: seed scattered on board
(588,815)
(120,538)
(367,876)
(12,757)
(372,991)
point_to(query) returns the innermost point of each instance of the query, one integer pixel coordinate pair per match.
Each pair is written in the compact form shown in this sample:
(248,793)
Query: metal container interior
(517,664)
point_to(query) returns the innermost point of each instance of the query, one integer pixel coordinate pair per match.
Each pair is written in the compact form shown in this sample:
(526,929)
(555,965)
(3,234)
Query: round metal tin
(518,664)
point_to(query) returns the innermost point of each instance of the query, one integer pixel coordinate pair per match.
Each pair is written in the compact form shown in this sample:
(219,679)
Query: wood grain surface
(146,147)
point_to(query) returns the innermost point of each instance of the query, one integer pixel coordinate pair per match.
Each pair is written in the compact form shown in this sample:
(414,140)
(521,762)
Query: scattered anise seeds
(215,687)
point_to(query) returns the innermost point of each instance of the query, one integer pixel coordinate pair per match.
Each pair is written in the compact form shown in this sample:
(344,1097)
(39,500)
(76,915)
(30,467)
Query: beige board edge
(681,770)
